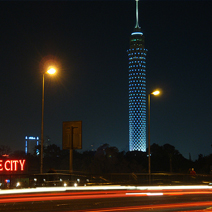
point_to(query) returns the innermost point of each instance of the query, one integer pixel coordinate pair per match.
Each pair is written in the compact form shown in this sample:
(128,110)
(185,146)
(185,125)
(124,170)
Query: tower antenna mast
(137,23)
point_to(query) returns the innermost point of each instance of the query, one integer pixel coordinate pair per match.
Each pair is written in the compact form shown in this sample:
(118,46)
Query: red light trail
(93,195)
(107,194)
(153,207)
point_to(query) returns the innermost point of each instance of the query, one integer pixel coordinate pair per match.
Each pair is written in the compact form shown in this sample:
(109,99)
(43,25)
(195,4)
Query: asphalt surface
(58,202)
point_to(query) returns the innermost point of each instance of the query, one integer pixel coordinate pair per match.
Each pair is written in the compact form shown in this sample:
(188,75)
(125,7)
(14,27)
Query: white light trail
(90,188)
(145,194)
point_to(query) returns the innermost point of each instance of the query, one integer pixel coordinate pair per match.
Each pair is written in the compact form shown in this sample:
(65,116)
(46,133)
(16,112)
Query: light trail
(107,192)
(97,188)
(59,197)
(93,195)
(153,207)
(167,193)
(62,189)
(145,194)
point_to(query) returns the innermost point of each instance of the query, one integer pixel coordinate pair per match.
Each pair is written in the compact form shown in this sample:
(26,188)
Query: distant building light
(30,143)
(31,138)
(37,152)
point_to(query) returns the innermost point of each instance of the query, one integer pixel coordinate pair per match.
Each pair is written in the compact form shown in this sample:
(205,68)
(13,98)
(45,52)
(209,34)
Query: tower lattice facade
(137,89)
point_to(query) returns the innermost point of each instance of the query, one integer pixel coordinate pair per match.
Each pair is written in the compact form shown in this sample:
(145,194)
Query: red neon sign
(12,165)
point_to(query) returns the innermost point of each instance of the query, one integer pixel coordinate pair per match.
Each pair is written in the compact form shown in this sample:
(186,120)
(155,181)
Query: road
(92,199)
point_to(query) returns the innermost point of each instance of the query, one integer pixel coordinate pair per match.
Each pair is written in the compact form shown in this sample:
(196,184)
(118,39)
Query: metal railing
(137,179)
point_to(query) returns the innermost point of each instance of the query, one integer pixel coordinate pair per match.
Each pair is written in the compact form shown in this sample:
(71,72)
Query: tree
(167,158)
(5,150)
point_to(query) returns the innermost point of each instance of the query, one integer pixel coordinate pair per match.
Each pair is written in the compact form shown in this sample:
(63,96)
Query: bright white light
(18,184)
(114,187)
(157,92)
(75,184)
(147,194)
(51,70)
(65,184)
(35,179)
(154,194)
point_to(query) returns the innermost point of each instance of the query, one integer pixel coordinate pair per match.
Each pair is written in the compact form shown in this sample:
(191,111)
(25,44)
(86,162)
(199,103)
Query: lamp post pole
(51,70)
(149,159)
(149,152)
(41,150)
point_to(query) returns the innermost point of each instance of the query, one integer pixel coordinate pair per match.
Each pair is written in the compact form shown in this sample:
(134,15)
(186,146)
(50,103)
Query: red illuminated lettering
(12,165)
(1,168)
(5,165)
(15,165)
(22,164)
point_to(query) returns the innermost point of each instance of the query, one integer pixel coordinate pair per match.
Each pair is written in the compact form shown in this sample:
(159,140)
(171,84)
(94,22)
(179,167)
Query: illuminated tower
(30,144)
(137,89)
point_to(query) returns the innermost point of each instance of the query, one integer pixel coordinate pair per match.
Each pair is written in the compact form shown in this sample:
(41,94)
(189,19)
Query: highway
(108,198)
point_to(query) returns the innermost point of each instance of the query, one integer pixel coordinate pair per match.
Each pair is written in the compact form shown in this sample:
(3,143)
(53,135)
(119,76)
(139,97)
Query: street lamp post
(157,92)
(50,70)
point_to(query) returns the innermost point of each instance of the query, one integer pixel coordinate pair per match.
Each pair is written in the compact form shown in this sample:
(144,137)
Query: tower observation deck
(137,89)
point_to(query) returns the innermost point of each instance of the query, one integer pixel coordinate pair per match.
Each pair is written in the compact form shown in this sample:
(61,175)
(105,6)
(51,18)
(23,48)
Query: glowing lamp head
(157,92)
(51,70)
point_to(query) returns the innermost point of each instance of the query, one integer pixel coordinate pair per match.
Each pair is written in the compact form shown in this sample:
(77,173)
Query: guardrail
(160,179)
(84,179)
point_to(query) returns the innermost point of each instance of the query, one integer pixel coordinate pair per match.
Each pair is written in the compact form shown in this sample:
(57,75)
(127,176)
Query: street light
(50,70)
(155,93)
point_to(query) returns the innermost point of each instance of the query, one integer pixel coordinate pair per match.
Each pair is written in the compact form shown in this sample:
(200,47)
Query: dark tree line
(108,159)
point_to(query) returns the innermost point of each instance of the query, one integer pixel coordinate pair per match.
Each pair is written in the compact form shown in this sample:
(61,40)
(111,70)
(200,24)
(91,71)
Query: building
(137,89)
(30,144)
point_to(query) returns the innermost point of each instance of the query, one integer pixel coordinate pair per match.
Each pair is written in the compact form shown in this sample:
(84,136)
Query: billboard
(72,135)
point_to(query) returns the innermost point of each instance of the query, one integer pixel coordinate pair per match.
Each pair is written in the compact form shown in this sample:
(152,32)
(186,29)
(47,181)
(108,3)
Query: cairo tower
(137,89)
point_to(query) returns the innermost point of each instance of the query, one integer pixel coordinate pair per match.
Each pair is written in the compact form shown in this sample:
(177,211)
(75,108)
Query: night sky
(90,40)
